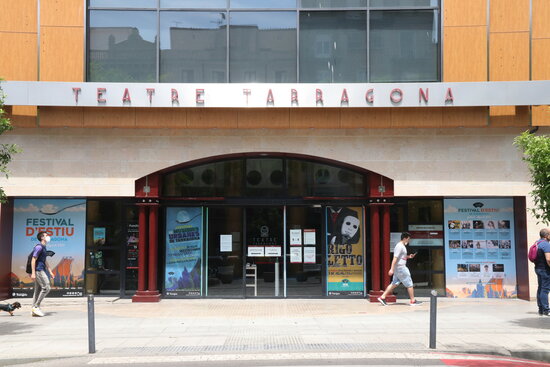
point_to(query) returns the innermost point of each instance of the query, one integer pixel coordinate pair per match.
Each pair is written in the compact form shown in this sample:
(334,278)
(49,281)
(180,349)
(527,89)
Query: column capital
(380,201)
(147,202)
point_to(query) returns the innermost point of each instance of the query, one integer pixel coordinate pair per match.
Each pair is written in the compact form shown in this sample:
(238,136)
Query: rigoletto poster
(65,221)
(183,251)
(480,246)
(345,251)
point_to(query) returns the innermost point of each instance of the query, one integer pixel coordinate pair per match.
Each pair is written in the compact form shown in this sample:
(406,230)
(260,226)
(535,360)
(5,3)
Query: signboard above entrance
(237,95)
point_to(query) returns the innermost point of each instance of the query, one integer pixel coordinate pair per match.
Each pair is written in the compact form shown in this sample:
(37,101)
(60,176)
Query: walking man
(400,272)
(542,268)
(41,279)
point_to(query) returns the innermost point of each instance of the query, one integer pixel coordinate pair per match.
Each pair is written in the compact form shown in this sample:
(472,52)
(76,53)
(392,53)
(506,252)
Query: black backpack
(29,262)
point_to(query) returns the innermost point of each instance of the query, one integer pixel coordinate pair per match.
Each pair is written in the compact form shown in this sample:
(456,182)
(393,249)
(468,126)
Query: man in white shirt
(400,272)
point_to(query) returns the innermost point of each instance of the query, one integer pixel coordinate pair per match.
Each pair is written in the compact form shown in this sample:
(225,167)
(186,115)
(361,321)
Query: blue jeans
(543,277)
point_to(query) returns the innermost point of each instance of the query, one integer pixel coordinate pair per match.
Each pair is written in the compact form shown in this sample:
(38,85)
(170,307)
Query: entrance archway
(261,180)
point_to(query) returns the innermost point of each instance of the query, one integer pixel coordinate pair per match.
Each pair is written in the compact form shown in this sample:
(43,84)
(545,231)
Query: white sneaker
(36,311)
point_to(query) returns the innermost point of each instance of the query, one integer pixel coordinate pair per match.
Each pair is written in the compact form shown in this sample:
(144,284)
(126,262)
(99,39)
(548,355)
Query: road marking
(295,356)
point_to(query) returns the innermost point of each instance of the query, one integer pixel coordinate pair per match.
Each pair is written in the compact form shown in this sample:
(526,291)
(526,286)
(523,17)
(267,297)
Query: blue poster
(183,252)
(65,221)
(480,248)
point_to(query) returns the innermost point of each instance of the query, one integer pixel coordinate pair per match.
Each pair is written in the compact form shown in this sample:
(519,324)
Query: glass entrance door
(304,252)
(264,251)
(225,252)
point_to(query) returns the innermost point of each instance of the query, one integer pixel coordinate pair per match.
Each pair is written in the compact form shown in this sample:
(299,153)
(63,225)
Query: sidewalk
(221,326)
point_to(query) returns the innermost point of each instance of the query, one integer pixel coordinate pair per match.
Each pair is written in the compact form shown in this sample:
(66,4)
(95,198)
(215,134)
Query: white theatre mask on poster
(350,226)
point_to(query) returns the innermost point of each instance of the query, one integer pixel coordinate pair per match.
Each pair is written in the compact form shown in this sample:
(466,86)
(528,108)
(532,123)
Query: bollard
(91,324)
(433,317)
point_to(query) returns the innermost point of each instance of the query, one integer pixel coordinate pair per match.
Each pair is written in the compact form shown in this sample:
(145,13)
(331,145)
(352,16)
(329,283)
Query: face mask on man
(47,239)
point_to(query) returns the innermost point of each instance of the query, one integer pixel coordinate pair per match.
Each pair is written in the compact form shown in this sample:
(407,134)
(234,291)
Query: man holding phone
(399,271)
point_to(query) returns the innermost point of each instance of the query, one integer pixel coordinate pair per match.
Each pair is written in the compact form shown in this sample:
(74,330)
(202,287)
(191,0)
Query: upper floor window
(273,41)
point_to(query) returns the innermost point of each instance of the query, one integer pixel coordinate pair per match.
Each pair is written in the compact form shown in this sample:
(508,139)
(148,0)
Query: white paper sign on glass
(226,243)
(309,255)
(273,251)
(256,251)
(295,237)
(296,254)
(309,237)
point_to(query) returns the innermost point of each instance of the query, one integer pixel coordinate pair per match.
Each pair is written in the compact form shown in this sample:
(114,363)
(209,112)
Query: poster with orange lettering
(64,220)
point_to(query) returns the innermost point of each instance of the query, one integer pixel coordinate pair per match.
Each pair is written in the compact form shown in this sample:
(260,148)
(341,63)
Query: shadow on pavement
(12,326)
(542,322)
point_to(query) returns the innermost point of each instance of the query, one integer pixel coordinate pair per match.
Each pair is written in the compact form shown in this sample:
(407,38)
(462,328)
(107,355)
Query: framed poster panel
(184,238)
(480,248)
(345,251)
(65,221)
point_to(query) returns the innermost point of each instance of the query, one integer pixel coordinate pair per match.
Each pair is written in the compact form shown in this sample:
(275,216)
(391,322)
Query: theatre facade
(185,149)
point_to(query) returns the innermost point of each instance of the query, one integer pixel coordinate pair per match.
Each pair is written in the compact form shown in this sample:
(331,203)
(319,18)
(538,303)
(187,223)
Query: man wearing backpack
(39,266)
(542,268)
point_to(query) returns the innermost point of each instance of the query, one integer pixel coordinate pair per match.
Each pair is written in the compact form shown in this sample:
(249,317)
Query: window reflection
(193,4)
(264,4)
(262,47)
(333,47)
(123,3)
(264,177)
(333,4)
(403,46)
(122,46)
(398,3)
(193,47)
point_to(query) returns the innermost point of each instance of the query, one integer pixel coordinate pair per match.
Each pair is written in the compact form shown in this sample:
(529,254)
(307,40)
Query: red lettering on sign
(449,96)
(76,92)
(293,96)
(199,93)
(270,98)
(396,95)
(345,98)
(150,92)
(369,96)
(423,95)
(318,96)
(126,96)
(247,92)
(175,96)
(100,92)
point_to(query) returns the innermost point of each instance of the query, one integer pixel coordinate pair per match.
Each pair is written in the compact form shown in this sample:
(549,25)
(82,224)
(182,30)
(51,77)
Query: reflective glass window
(321,4)
(335,181)
(264,177)
(123,3)
(404,46)
(193,47)
(122,46)
(223,178)
(192,4)
(264,4)
(315,179)
(262,47)
(403,3)
(333,47)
